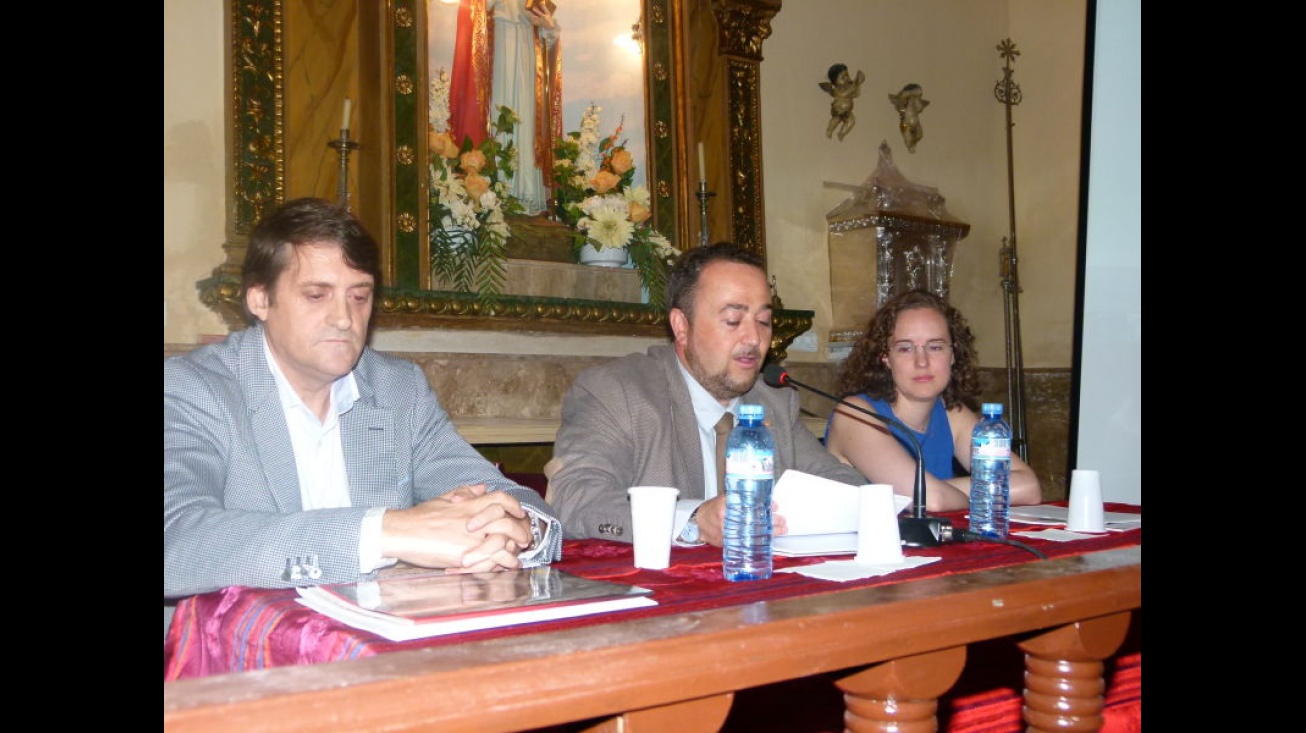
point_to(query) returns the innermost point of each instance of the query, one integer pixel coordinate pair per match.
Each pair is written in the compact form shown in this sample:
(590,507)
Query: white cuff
(369,542)
(541,529)
(685,509)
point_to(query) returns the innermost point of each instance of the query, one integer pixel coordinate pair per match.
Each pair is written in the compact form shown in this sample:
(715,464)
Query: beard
(718,384)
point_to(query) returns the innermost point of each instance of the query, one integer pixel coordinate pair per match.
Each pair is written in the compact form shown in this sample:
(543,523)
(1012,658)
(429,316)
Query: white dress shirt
(320,458)
(707,413)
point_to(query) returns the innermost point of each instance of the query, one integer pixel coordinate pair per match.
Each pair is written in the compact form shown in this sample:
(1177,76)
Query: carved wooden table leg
(1064,686)
(704,715)
(901,695)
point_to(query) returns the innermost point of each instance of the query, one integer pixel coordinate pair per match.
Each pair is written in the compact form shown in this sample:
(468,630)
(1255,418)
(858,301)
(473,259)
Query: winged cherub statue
(844,88)
(910,104)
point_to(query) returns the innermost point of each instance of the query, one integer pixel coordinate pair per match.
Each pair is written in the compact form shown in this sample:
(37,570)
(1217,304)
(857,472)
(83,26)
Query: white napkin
(1057,535)
(1048,514)
(844,570)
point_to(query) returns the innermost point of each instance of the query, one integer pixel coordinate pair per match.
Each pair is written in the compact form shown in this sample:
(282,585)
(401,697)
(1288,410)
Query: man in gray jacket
(651,418)
(294,454)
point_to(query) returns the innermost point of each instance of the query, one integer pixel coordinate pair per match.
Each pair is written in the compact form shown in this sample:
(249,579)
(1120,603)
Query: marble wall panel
(532,386)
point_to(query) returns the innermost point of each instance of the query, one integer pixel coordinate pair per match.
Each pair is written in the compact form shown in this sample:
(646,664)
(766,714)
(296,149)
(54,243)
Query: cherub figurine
(910,104)
(844,88)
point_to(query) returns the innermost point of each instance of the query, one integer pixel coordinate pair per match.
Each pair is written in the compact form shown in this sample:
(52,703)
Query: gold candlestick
(344,145)
(703,195)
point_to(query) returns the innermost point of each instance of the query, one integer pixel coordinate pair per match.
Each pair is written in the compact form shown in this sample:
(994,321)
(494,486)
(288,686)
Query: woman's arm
(1025,486)
(866,444)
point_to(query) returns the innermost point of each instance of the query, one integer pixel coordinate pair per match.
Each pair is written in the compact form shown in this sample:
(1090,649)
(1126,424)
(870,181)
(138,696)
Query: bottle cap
(991,408)
(752,412)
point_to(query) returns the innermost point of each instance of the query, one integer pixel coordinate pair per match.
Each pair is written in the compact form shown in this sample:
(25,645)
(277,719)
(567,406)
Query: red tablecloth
(238,629)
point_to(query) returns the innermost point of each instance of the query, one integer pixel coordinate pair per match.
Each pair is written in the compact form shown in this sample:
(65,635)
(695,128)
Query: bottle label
(999,448)
(750,463)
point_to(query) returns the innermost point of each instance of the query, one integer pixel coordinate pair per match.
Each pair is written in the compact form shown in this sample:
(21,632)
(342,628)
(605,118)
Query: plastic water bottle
(750,474)
(990,473)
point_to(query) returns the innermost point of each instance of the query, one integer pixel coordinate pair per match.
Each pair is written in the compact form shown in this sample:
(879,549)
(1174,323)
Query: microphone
(917,530)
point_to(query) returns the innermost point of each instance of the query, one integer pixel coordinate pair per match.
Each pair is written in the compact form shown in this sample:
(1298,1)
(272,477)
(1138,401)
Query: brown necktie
(723,428)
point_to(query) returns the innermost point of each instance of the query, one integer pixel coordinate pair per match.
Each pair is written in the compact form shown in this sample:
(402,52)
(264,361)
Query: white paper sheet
(821,515)
(841,543)
(815,505)
(1048,514)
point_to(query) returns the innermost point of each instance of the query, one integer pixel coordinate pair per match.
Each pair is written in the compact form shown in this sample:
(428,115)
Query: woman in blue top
(916,363)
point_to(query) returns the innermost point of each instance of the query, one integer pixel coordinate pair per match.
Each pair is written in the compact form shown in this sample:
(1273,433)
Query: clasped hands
(466,530)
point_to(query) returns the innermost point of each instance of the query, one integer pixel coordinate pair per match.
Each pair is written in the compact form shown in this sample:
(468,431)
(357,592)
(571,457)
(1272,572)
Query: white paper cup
(878,541)
(1085,513)
(653,514)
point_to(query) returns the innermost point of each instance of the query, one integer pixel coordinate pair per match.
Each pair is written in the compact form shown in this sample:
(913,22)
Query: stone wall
(532,386)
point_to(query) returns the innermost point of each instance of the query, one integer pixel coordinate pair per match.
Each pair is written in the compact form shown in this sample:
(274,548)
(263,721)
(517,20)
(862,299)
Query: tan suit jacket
(630,422)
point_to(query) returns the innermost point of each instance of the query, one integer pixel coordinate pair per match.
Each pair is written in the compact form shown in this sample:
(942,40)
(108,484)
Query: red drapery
(471,80)
(469,84)
(238,629)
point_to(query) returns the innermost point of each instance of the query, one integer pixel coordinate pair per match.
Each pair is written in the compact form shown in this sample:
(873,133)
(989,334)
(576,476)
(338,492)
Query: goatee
(719,384)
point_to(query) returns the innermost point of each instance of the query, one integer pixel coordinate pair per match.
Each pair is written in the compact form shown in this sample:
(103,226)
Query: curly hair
(865,371)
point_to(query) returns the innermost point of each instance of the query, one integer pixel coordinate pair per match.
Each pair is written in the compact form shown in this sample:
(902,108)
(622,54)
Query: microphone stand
(918,530)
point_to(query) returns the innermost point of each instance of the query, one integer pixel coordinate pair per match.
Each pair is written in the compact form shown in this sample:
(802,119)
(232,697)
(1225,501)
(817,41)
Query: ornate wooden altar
(893,233)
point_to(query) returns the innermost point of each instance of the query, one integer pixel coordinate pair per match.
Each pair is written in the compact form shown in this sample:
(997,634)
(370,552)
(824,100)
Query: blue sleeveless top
(936,441)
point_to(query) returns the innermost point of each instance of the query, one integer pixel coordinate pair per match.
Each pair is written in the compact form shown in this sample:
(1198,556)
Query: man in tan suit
(650,418)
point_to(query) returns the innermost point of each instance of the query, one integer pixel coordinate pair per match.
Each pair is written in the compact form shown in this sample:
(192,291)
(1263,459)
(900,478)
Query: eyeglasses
(906,349)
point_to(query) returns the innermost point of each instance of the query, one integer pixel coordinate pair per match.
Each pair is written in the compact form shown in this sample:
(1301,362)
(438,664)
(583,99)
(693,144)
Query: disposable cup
(878,541)
(1085,512)
(653,514)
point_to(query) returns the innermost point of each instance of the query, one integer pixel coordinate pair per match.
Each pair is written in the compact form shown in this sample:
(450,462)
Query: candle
(349,107)
(702,164)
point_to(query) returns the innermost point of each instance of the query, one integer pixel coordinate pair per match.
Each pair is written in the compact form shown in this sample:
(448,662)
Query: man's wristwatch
(537,531)
(690,533)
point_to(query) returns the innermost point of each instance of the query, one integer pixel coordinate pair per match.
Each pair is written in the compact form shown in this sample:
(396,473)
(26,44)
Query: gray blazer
(231,502)
(630,422)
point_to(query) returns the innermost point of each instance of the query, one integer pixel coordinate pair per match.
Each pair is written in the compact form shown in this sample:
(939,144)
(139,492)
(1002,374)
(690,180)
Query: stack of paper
(821,515)
(408,605)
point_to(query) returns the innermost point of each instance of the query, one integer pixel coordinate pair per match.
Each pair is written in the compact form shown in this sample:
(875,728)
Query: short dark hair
(682,281)
(304,221)
(835,71)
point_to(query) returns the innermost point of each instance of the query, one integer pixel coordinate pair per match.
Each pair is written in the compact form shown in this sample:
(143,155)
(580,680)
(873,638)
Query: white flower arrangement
(469,199)
(592,178)
(438,114)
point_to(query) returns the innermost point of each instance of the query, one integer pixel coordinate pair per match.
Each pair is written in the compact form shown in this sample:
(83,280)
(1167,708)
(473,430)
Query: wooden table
(902,645)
